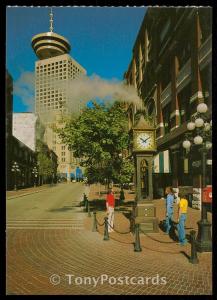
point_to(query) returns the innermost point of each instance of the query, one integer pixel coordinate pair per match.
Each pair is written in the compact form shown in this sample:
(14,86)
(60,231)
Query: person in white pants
(110,204)
(111,218)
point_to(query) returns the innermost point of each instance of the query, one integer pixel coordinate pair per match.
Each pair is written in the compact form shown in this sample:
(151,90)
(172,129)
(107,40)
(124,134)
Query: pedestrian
(182,215)
(122,197)
(169,208)
(110,205)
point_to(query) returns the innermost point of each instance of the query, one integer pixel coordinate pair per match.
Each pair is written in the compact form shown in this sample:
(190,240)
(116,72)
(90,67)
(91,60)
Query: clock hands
(145,139)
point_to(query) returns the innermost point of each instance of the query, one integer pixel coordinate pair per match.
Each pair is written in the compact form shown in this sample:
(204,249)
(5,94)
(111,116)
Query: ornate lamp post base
(204,239)
(203,137)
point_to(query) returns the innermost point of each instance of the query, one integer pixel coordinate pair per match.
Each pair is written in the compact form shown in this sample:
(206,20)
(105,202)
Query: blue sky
(101,38)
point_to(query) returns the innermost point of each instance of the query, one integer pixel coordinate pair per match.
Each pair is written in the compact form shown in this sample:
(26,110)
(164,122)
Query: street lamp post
(15,169)
(203,128)
(35,173)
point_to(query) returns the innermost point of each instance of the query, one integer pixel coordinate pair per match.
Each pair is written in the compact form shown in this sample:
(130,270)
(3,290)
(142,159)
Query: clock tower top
(142,124)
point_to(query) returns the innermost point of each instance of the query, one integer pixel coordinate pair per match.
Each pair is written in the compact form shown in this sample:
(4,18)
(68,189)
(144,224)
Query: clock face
(144,140)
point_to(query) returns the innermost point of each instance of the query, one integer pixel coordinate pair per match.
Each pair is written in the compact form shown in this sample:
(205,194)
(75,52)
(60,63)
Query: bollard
(193,259)
(88,209)
(94,222)
(106,234)
(86,204)
(137,247)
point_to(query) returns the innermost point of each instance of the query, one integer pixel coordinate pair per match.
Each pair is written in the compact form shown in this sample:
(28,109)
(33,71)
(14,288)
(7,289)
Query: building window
(151,108)
(166,74)
(206,79)
(205,15)
(164,30)
(184,102)
(63,159)
(63,147)
(166,118)
(184,52)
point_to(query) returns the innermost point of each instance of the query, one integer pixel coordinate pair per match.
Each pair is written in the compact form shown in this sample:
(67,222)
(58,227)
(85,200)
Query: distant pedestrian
(110,205)
(122,197)
(169,208)
(182,215)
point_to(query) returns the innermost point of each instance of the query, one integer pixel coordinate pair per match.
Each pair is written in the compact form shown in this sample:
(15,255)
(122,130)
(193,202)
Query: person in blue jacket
(169,208)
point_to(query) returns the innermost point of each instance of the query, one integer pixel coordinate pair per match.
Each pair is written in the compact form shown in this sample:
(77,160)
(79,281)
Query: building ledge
(162,143)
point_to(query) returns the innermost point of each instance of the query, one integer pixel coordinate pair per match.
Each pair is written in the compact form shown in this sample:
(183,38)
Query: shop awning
(161,162)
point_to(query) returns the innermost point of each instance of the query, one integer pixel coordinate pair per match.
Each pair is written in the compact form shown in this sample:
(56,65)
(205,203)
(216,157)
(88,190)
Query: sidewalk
(27,191)
(99,192)
(160,252)
(156,242)
(61,242)
(192,218)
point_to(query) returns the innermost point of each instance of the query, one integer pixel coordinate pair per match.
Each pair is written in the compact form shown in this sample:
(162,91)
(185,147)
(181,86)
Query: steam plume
(78,91)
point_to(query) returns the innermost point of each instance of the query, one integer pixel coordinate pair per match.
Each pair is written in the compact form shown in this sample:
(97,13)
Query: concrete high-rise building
(52,71)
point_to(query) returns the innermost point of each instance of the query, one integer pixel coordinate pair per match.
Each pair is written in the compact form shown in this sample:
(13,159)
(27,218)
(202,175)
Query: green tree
(126,172)
(46,166)
(98,136)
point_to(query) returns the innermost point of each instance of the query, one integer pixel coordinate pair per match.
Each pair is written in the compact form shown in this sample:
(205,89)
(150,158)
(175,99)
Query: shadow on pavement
(98,205)
(185,254)
(188,237)
(61,209)
(127,214)
(172,233)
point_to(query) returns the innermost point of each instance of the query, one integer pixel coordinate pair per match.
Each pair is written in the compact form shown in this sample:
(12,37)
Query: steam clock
(144,147)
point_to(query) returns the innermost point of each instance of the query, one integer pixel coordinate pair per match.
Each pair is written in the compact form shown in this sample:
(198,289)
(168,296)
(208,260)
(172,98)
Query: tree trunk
(108,183)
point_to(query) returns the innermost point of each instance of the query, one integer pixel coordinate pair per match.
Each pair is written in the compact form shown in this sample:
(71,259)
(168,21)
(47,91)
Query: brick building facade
(171,68)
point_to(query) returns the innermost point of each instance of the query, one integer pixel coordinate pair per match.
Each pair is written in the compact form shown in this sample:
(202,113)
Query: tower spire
(51,20)
(50,44)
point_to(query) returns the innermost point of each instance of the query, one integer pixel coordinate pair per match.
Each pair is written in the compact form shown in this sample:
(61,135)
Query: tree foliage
(126,172)
(98,136)
(45,164)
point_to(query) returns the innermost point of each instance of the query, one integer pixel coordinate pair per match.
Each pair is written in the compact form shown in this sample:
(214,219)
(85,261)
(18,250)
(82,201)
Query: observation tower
(50,44)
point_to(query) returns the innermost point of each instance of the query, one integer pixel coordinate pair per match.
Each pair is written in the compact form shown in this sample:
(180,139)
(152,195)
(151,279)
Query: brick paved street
(58,239)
